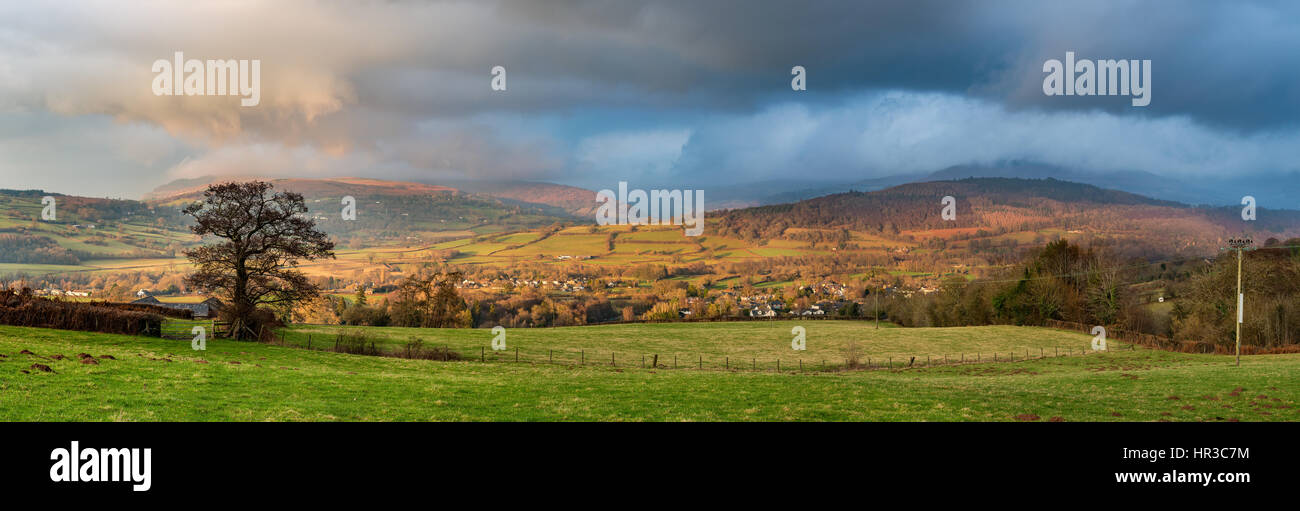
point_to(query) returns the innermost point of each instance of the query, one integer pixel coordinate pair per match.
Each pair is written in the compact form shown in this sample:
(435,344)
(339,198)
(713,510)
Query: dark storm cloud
(1230,63)
(670,88)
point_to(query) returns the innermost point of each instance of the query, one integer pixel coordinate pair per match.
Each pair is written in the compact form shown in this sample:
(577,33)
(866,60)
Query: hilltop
(1000,212)
(189,190)
(553,199)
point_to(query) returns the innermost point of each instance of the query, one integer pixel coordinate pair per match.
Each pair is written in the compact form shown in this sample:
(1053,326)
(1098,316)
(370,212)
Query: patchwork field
(152,379)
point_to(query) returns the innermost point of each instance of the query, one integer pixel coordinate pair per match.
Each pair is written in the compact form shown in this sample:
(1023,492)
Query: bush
(363,315)
(22,309)
(150,308)
(355,343)
(416,350)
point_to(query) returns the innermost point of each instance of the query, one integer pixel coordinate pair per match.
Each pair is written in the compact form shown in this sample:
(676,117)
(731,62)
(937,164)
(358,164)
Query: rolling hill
(898,229)
(1224,189)
(554,199)
(392,209)
(993,211)
(100,234)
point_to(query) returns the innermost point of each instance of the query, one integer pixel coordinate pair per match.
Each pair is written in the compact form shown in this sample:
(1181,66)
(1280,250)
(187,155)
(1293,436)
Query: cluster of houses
(567,286)
(777,308)
(60,292)
(827,287)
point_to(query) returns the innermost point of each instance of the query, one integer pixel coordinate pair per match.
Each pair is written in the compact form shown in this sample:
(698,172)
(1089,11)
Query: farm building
(204,309)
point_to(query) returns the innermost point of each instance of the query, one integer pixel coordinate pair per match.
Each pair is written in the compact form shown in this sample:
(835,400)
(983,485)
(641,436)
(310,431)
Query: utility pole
(1239,244)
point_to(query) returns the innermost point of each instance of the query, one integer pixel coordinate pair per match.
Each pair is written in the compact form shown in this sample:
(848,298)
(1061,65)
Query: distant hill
(85,228)
(575,201)
(552,198)
(190,189)
(1222,189)
(390,209)
(995,209)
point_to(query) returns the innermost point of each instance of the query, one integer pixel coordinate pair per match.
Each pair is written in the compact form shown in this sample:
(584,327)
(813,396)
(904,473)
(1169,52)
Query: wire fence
(792,364)
(579,357)
(1140,338)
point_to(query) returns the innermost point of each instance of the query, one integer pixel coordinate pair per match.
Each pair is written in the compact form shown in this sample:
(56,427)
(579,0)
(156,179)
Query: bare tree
(263,236)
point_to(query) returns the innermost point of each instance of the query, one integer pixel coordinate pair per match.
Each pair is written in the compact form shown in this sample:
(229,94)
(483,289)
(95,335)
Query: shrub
(376,315)
(147,307)
(355,343)
(22,309)
(416,350)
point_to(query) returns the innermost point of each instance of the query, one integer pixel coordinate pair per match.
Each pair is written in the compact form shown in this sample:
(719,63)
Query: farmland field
(152,379)
(728,344)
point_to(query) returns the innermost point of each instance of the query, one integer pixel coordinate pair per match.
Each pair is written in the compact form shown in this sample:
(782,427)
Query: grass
(726,344)
(257,382)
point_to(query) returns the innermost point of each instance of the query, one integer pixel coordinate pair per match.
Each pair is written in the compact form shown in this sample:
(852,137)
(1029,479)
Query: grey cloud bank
(644,92)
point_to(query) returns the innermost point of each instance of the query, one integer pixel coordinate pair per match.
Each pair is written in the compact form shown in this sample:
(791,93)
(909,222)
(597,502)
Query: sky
(686,94)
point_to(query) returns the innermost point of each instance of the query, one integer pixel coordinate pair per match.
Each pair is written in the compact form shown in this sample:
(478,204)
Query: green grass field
(153,379)
(726,344)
